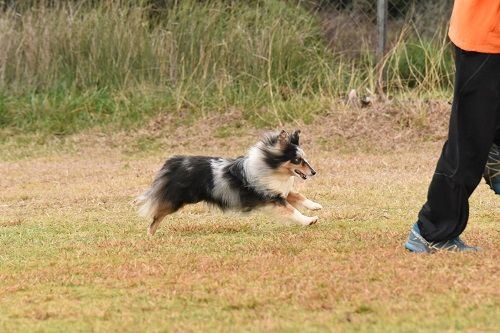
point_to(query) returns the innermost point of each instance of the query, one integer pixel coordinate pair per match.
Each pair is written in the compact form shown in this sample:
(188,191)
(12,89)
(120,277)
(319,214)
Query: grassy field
(95,95)
(75,257)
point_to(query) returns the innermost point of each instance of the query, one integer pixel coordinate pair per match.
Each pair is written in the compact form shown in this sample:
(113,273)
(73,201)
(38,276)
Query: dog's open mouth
(300,173)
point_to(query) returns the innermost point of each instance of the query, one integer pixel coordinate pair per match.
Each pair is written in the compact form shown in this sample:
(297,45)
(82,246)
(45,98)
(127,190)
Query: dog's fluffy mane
(277,148)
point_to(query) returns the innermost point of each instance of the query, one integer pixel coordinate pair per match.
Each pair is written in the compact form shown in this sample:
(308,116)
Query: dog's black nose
(313,172)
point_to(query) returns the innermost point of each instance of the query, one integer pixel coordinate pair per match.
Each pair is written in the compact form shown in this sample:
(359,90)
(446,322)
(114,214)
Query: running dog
(263,178)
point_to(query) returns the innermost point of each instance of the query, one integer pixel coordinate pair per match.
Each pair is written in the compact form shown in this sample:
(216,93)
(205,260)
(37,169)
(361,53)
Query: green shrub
(425,65)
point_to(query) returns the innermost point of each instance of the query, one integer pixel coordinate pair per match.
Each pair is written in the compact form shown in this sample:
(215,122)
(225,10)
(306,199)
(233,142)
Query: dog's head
(283,154)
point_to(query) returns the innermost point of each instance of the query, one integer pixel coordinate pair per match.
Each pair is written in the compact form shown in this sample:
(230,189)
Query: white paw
(312,205)
(311,220)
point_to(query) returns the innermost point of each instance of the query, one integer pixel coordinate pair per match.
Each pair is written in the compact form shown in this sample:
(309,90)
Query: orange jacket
(475,25)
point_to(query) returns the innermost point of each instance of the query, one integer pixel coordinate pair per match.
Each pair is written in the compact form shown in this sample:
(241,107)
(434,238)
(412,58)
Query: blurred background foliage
(70,65)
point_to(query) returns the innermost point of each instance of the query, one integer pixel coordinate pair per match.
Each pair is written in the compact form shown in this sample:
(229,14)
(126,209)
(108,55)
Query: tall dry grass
(70,65)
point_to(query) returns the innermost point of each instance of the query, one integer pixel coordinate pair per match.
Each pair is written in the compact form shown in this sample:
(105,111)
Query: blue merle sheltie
(263,178)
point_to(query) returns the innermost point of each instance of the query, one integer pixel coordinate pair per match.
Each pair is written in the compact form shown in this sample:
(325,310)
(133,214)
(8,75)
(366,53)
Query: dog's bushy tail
(146,204)
(149,202)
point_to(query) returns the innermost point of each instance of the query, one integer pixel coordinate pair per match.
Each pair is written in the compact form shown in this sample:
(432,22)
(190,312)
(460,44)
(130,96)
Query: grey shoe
(416,243)
(462,247)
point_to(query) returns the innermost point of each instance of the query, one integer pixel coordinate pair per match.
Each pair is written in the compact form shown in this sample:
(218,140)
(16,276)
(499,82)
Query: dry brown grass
(382,127)
(75,256)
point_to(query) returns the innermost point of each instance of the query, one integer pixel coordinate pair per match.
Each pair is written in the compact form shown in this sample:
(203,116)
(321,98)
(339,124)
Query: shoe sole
(412,248)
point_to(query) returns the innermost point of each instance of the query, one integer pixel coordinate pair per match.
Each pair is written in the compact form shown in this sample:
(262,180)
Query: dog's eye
(296,160)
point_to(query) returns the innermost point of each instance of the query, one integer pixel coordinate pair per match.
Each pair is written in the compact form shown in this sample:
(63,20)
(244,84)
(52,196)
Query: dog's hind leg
(297,200)
(155,224)
(159,216)
(288,211)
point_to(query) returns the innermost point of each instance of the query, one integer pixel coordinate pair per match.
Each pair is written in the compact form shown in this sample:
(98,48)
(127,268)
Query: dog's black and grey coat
(240,184)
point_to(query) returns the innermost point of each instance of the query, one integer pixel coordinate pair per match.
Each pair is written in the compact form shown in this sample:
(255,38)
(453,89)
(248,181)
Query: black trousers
(474,127)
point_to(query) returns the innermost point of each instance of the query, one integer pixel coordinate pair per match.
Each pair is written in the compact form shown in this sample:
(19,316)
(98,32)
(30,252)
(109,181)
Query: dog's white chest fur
(281,185)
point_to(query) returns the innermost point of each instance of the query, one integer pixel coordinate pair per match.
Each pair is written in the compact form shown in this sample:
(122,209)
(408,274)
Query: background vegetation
(137,81)
(69,65)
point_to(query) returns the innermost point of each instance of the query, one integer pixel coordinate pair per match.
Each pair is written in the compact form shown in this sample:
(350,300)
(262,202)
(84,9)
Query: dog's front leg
(287,210)
(298,200)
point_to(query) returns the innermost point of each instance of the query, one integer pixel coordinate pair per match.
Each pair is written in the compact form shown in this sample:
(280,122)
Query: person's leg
(473,123)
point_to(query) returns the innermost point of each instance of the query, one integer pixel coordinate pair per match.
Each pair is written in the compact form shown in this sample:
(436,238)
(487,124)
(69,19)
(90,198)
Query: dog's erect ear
(283,138)
(294,138)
